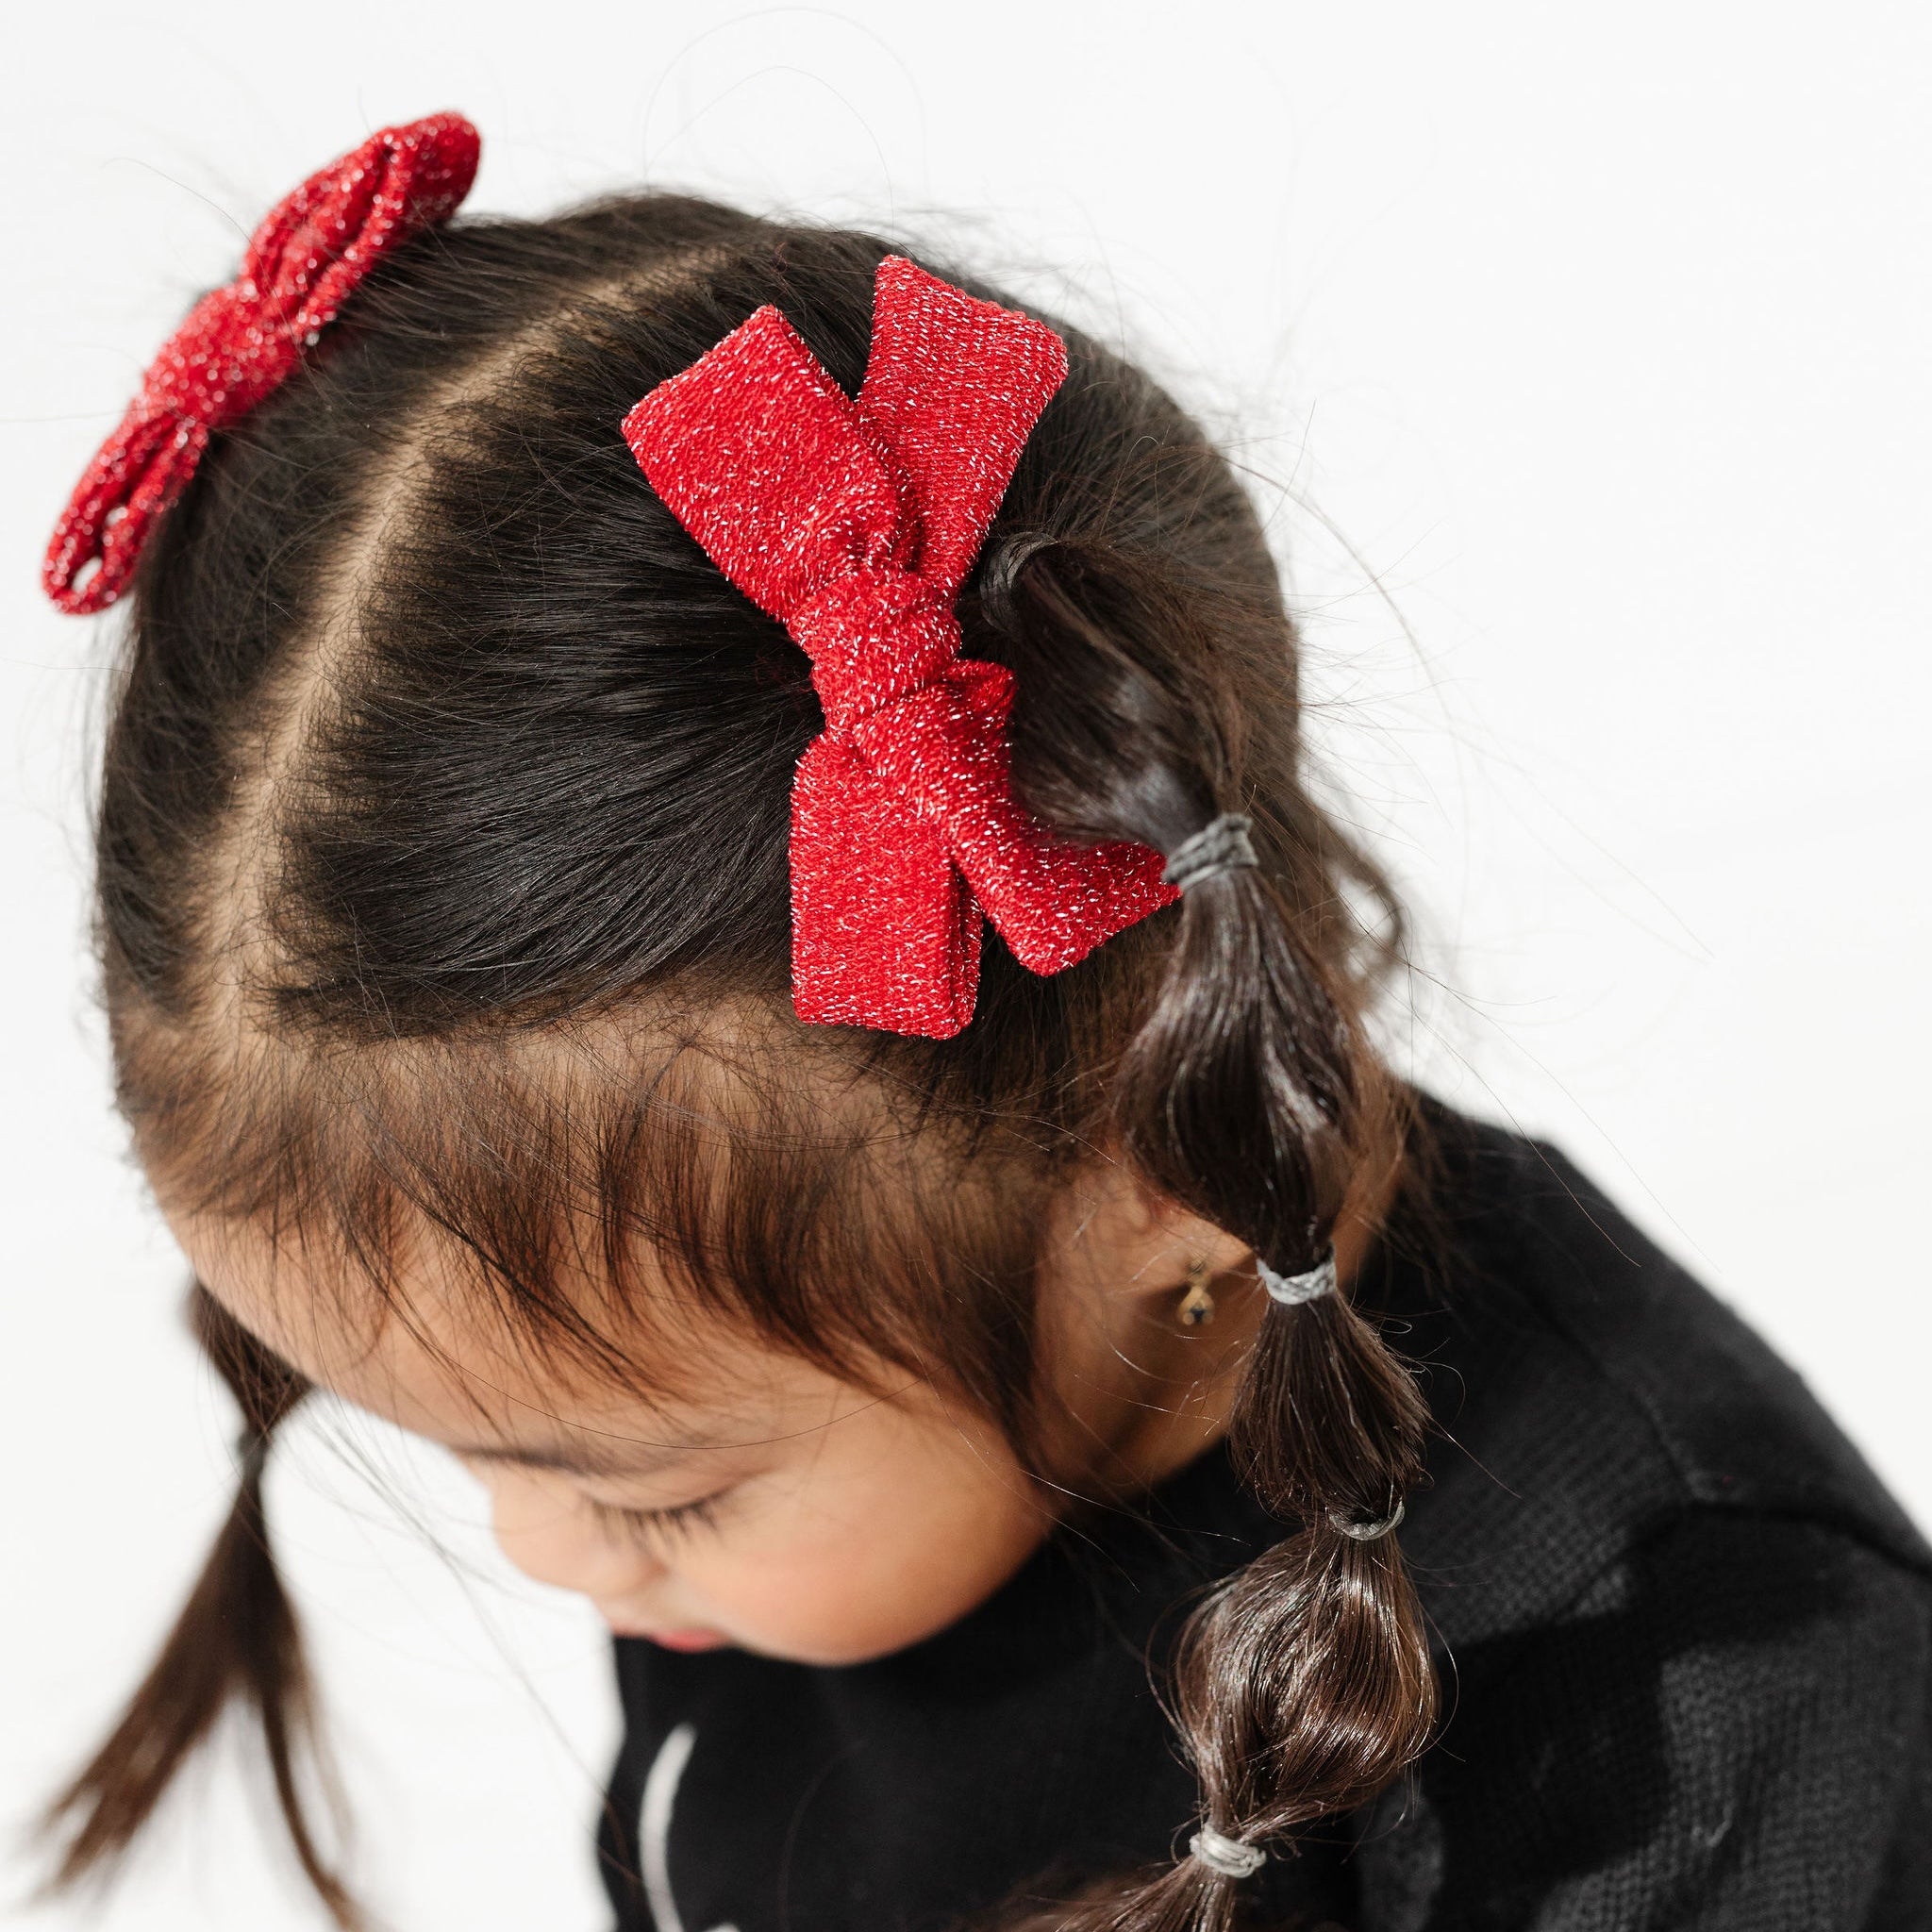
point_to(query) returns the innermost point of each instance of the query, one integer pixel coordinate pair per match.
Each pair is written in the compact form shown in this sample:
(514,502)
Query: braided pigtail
(1247,1096)
(236,1641)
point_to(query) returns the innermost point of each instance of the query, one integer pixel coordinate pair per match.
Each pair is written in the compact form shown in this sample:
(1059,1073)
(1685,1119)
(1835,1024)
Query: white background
(1589,344)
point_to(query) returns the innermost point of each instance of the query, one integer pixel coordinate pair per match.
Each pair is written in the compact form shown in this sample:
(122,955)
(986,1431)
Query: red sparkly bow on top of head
(241,342)
(854,522)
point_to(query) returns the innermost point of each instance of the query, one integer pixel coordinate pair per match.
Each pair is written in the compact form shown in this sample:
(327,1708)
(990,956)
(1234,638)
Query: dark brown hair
(442,878)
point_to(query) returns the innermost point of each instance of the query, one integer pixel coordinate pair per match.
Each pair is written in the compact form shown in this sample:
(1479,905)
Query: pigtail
(1303,1684)
(235,1641)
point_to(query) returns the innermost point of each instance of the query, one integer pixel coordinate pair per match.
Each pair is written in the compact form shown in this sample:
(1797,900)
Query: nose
(543,1528)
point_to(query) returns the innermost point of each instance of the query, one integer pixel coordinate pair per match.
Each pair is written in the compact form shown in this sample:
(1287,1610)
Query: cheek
(550,1537)
(884,1544)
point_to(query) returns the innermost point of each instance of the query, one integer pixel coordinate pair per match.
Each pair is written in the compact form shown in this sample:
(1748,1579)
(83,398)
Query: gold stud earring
(1197,1305)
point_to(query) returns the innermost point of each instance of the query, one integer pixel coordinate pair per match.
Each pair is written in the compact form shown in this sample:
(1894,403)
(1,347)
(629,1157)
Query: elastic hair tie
(1221,845)
(1369,1532)
(1227,1858)
(1002,573)
(1292,1290)
(251,1453)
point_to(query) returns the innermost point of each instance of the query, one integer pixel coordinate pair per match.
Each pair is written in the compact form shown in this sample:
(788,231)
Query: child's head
(443,857)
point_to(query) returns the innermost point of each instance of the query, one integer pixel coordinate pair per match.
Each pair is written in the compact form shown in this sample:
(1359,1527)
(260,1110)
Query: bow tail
(1052,901)
(944,749)
(884,932)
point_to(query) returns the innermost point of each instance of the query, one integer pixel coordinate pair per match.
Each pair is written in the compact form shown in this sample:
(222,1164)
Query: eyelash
(659,1525)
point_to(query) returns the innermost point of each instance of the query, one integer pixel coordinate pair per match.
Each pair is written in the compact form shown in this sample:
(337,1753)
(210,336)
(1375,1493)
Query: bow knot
(874,637)
(854,521)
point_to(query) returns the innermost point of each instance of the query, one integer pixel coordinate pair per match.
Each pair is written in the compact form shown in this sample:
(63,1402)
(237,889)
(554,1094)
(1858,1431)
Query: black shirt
(1685,1640)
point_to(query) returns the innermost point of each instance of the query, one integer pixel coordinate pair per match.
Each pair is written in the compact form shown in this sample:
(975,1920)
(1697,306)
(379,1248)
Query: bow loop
(854,522)
(954,386)
(764,460)
(242,341)
(319,241)
(218,365)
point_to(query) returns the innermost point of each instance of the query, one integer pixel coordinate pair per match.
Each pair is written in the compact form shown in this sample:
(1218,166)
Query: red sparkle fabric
(854,522)
(242,341)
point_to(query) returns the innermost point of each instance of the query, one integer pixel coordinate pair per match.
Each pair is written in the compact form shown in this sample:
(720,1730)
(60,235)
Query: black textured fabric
(1686,1639)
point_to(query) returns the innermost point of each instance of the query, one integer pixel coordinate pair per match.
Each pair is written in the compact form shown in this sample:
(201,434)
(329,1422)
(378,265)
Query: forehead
(429,1352)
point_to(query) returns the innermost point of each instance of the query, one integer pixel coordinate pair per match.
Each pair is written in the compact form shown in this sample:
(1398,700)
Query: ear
(1123,1239)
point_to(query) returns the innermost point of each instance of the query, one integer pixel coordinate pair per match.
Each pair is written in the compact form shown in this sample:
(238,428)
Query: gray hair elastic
(1367,1532)
(1220,845)
(1291,1291)
(1228,1857)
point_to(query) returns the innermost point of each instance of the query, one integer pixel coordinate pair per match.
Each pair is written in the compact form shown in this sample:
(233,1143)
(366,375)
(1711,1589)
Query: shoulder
(1588,1394)
(1732,1724)
(1686,1634)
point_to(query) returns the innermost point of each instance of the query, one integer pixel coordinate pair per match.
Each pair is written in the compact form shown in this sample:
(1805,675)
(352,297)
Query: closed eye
(657,1527)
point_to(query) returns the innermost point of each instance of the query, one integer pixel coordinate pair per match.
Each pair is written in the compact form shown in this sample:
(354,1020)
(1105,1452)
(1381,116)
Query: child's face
(783,1511)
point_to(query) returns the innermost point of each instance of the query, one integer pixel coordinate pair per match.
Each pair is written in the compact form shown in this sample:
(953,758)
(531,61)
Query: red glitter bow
(242,341)
(854,522)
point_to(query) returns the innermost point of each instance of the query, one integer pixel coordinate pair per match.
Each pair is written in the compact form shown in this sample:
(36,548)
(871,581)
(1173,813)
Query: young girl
(1060,1435)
